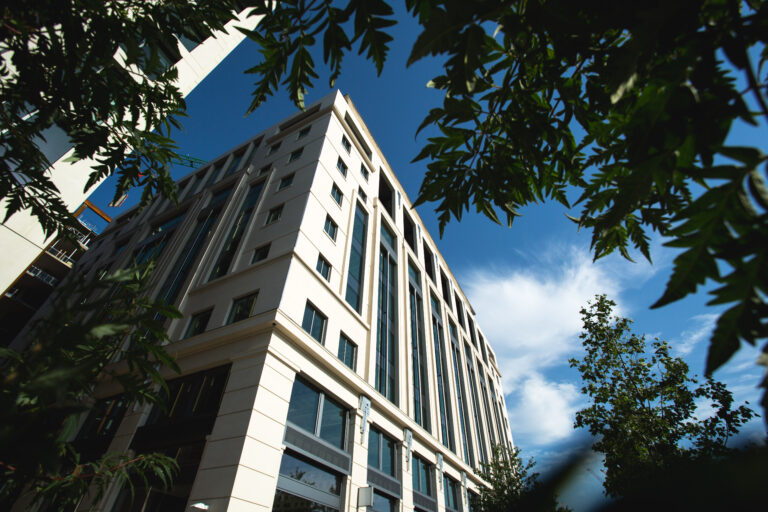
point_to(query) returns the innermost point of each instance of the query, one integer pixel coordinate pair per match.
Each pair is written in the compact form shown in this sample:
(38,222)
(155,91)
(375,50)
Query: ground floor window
(306,485)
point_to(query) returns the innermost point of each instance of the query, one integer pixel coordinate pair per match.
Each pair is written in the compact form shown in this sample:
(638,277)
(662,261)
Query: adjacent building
(22,240)
(329,357)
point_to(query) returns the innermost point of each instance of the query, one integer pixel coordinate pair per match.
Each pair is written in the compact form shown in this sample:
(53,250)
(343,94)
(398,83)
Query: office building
(22,240)
(328,355)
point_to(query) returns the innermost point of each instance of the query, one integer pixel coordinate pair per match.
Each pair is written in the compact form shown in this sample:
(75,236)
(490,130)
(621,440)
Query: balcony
(42,275)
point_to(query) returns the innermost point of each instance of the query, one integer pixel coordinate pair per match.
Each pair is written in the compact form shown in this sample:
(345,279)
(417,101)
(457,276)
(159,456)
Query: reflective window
(324,268)
(318,414)
(314,322)
(382,451)
(347,351)
(198,323)
(341,166)
(345,143)
(242,308)
(303,470)
(260,253)
(422,474)
(331,227)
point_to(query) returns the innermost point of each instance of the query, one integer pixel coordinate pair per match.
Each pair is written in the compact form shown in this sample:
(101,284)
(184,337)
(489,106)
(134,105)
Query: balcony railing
(42,275)
(61,255)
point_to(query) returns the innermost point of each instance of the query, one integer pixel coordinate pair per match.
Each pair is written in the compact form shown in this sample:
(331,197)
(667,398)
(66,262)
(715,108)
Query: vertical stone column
(239,467)
(358,476)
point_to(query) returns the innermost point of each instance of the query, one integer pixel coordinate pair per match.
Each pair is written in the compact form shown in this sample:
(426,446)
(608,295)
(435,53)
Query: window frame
(315,314)
(341,165)
(331,228)
(347,342)
(323,267)
(346,144)
(187,331)
(335,190)
(286,181)
(274,214)
(266,247)
(295,154)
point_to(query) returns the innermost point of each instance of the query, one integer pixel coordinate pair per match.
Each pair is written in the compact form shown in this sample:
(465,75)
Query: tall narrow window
(347,351)
(179,273)
(446,419)
(314,322)
(236,232)
(336,194)
(446,288)
(472,330)
(341,166)
(382,452)
(235,164)
(331,227)
(492,437)
(356,259)
(422,476)
(323,267)
(364,172)
(481,440)
(459,310)
(461,396)
(345,143)
(451,493)
(429,262)
(386,343)
(418,349)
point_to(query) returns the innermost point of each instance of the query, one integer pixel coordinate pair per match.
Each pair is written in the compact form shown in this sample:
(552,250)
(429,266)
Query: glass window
(285,502)
(421,473)
(314,322)
(242,308)
(441,365)
(387,339)
(347,351)
(364,172)
(345,143)
(450,490)
(236,232)
(356,259)
(382,452)
(198,323)
(260,253)
(341,166)
(214,174)
(420,381)
(274,148)
(308,472)
(295,155)
(265,169)
(332,422)
(383,503)
(304,132)
(286,181)
(459,310)
(362,195)
(302,410)
(324,268)
(103,419)
(274,214)
(330,227)
(191,396)
(235,164)
(307,403)
(336,194)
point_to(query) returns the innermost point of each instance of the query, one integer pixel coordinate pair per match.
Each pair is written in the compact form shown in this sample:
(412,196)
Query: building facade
(22,240)
(328,355)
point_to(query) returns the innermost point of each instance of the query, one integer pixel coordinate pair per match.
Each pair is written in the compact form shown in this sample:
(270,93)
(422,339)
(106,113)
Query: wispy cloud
(531,315)
(688,340)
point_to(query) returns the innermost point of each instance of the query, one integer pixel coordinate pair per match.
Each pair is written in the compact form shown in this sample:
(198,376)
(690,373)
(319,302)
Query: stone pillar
(240,464)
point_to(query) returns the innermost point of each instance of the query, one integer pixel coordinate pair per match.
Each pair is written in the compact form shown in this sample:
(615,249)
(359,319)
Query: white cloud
(690,338)
(542,412)
(531,316)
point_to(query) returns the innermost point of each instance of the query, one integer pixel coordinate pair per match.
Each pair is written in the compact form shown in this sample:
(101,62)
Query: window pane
(308,473)
(374,439)
(382,503)
(332,423)
(387,456)
(285,502)
(302,410)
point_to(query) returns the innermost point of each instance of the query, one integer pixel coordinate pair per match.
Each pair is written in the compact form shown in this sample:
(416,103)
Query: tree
(621,109)
(60,69)
(116,334)
(513,485)
(643,408)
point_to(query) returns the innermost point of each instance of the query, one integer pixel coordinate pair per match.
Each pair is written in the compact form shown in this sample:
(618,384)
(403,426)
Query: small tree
(514,485)
(50,382)
(643,409)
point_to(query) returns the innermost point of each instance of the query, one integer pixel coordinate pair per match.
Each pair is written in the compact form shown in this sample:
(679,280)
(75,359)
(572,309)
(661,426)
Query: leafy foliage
(623,110)
(119,336)
(513,485)
(97,71)
(643,406)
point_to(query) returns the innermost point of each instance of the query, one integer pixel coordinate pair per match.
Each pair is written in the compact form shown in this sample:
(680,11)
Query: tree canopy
(643,405)
(620,110)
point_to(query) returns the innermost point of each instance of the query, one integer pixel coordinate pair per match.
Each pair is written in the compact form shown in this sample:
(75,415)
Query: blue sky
(526,283)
